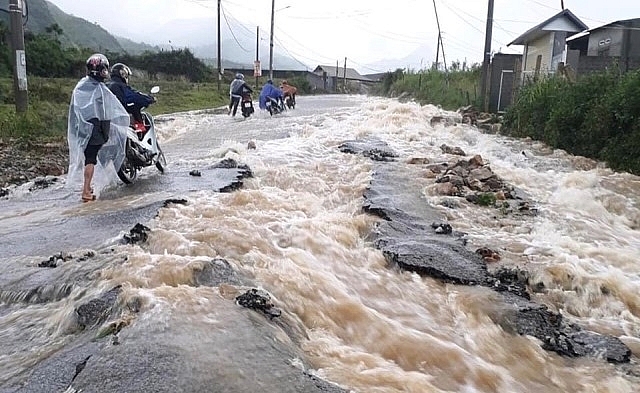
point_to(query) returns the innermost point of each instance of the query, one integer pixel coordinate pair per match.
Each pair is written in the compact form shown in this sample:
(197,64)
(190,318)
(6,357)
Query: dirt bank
(22,161)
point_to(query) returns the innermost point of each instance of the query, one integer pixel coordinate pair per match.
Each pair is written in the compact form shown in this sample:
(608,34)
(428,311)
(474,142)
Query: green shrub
(596,117)
(451,90)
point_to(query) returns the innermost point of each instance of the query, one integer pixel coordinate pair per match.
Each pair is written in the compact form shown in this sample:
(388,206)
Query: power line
(224,14)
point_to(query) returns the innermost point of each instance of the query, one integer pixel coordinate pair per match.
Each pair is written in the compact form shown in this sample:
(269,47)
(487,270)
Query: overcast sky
(364,31)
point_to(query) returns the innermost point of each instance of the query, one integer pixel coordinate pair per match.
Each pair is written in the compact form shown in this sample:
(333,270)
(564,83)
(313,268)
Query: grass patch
(46,117)
(451,90)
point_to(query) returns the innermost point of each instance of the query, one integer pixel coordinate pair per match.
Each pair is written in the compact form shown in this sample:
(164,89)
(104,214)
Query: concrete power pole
(19,57)
(257,64)
(484,83)
(273,13)
(440,45)
(345,75)
(562,4)
(219,49)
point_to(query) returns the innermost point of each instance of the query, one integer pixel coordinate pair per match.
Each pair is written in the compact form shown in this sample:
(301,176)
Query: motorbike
(275,106)
(246,105)
(142,148)
(290,101)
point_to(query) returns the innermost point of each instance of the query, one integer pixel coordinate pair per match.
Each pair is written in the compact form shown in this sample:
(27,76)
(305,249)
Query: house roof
(351,73)
(619,24)
(572,24)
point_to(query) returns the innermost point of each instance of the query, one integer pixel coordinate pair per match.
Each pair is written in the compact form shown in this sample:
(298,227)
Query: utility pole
(219,49)
(19,57)
(487,56)
(562,4)
(273,13)
(440,46)
(345,74)
(335,87)
(257,65)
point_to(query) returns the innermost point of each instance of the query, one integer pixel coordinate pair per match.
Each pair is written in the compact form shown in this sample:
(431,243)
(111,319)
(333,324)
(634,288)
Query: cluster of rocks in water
(436,250)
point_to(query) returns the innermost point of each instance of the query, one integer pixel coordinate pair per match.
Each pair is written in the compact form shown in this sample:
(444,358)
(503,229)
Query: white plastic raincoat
(93,100)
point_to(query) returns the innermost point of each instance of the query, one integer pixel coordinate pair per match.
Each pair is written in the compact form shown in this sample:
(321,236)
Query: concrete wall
(634,43)
(589,64)
(543,46)
(503,73)
(606,41)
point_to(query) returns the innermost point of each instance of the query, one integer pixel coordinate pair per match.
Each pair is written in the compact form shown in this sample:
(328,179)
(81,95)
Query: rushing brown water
(298,230)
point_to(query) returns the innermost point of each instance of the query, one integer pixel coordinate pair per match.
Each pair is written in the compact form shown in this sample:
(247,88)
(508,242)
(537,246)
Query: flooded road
(297,230)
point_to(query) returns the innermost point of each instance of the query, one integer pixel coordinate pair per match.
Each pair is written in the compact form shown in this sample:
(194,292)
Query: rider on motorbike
(237,89)
(132,100)
(289,91)
(270,92)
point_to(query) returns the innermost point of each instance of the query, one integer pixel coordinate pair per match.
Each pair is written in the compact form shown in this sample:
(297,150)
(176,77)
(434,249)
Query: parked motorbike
(246,105)
(275,106)
(142,148)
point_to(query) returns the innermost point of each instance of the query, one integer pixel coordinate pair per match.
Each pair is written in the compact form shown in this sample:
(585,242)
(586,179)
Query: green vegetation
(49,103)
(596,117)
(451,90)
(53,70)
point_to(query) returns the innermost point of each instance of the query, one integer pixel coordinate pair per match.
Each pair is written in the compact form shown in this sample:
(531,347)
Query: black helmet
(121,70)
(98,66)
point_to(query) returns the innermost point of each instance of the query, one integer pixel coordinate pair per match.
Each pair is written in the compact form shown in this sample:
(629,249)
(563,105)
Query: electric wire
(224,14)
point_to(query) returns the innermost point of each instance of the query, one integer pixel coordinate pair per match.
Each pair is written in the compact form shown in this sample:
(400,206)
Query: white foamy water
(298,231)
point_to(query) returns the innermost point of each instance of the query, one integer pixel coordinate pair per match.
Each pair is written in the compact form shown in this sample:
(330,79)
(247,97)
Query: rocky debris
(174,201)
(251,145)
(418,161)
(23,161)
(474,180)
(98,310)
(404,239)
(258,300)
(524,317)
(243,172)
(195,173)
(510,280)
(469,115)
(457,151)
(442,228)
(215,272)
(488,255)
(43,182)
(55,260)
(138,234)
(372,148)
(446,120)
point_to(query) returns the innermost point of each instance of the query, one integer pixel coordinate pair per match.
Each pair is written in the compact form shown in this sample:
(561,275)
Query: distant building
(596,49)
(330,78)
(544,44)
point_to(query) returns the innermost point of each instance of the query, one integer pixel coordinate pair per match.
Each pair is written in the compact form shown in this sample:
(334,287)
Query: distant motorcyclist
(237,89)
(270,92)
(132,100)
(289,91)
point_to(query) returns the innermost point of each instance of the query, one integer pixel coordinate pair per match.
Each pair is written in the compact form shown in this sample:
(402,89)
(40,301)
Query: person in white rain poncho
(97,130)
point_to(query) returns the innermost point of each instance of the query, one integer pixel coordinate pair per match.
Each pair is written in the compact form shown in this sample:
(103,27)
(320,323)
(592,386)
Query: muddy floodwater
(161,315)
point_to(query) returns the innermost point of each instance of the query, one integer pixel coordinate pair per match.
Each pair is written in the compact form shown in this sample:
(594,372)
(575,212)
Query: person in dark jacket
(237,89)
(132,100)
(270,92)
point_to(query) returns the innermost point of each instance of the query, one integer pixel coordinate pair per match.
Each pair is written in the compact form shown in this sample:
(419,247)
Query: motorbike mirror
(155,89)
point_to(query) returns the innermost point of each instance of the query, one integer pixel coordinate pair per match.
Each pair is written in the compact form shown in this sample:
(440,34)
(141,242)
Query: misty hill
(77,32)
(200,36)
(421,58)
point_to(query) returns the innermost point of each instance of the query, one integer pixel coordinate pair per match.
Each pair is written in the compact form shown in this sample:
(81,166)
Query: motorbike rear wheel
(128,172)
